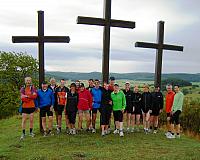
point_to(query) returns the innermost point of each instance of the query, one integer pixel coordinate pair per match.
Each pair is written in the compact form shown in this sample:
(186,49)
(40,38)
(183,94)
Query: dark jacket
(157,100)
(146,102)
(129,98)
(72,102)
(106,98)
(137,97)
(54,92)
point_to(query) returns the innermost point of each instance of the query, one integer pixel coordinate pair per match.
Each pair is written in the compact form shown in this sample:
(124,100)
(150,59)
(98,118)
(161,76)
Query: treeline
(126,76)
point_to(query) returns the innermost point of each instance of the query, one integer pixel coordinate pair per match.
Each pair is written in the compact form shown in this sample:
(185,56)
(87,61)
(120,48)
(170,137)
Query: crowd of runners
(125,105)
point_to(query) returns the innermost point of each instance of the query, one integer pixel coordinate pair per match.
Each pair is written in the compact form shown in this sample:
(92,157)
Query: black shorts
(55,107)
(129,109)
(155,113)
(45,111)
(94,110)
(60,109)
(175,117)
(137,110)
(28,110)
(71,116)
(105,116)
(118,116)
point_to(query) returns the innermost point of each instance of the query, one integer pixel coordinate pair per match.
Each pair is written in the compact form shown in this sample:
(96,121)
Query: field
(92,146)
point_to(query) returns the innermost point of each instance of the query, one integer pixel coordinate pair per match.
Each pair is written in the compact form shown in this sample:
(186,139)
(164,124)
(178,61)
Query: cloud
(181,27)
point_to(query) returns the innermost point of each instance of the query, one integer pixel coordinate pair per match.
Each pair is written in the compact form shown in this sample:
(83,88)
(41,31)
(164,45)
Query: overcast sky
(84,52)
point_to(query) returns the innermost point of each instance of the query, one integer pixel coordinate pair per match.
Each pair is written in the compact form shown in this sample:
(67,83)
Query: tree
(14,67)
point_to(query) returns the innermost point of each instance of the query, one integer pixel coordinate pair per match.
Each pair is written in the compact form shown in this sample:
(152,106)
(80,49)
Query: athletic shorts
(83,111)
(71,117)
(128,109)
(28,110)
(55,107)
(105,116)
(155,113)
(137,110)
(118,116)
(175,117)
(60,109)
(94,110)
(45,111)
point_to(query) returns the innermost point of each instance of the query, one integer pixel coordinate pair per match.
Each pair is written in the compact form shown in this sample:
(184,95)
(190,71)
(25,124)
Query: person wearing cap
(111,83)
(71,108)
(146,105)
(129,104)
(61,95)
(96,95)
(119,105)
(45,103)
(157,106)
(84,106)
(137,97)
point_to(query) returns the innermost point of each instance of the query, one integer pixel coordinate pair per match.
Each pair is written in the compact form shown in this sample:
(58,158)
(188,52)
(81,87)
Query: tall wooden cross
(159,46)
(107,22)
(40,39)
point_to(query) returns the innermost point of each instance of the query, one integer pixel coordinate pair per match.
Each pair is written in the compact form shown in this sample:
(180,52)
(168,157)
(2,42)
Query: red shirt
(84,100)
(111,88)
(169,101)
(28,96)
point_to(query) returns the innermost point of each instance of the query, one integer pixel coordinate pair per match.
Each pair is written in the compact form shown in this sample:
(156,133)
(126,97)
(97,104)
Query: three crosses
(107,23)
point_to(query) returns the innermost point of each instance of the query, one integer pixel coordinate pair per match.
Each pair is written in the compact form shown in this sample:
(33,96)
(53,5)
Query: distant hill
(128,76)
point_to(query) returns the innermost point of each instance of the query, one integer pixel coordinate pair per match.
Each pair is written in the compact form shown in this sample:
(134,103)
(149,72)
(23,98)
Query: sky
(84,52)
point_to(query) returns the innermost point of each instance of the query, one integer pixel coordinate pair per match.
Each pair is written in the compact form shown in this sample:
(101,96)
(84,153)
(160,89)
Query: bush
(9,100)
(190,117)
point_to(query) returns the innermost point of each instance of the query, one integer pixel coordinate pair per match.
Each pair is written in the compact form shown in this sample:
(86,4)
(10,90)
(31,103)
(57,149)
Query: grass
(92,146)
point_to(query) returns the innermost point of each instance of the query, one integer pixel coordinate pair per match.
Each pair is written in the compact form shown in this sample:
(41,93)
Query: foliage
(14,67)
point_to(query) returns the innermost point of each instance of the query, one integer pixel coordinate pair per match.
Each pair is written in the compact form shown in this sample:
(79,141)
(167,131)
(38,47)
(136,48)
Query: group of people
(106,100)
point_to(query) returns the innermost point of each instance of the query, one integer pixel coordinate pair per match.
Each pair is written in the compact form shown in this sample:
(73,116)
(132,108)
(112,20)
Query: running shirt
(146,102)
(72,102)
(178,102)
(28,97)
(96,95)
(169,101)
(119,101)
(157,101)
(61,94)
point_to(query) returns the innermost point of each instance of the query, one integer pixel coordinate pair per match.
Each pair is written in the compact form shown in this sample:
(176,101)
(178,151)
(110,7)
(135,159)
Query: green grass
(92,146)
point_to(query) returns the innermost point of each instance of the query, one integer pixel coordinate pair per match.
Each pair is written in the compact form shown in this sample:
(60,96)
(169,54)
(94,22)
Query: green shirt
(178,102)
(119,101)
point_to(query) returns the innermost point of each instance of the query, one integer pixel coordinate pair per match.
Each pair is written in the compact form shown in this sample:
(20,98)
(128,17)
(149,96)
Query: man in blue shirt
(46,101)
(96,95)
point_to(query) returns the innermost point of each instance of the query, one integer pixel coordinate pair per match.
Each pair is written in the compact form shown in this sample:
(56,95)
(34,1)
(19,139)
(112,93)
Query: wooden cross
(40,39)
(159,46)
(107,22)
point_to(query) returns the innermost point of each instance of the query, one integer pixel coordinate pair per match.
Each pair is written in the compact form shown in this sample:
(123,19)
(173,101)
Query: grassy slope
(92,146)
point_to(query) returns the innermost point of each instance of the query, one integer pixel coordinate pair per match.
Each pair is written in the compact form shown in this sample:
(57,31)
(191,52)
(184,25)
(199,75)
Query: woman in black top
(71,107)
(146,104)
(137,97)
(106,109)
(157,106)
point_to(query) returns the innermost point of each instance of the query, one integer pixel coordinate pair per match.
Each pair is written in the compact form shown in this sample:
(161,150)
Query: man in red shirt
(169,102)
(28,96)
